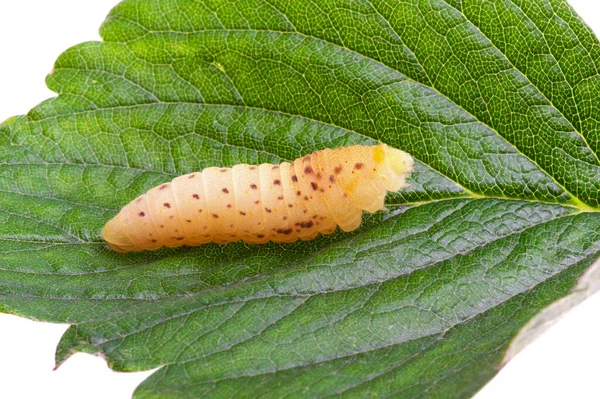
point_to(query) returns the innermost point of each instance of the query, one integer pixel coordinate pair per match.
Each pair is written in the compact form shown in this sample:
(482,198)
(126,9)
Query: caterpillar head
(366,173)
(399,162)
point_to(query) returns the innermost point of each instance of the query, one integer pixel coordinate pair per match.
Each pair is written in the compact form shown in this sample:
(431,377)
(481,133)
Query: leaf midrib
(350,238)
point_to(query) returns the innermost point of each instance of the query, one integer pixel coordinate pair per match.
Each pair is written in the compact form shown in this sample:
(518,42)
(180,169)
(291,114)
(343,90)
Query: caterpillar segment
(257,204)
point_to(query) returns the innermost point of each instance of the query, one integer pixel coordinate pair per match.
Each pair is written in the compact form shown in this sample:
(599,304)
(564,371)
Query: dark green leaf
(497,101)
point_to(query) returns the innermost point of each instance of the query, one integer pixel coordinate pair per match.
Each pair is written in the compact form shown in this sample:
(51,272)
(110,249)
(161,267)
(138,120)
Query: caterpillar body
(257,204)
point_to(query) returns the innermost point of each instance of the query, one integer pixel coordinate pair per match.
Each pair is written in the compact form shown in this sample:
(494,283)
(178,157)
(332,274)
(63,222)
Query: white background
(562,363)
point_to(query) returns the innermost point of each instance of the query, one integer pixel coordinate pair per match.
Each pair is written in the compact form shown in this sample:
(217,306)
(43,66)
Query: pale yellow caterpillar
(257,204)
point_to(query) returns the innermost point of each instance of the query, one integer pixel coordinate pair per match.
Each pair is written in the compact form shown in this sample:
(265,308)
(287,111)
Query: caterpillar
(280,203)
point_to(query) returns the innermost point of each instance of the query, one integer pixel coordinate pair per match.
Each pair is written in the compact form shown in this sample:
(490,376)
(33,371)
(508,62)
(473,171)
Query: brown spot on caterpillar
(162,226)
(142,214)
(290,205)
(285,231)
(228,205)
(314,185)
(172,217)
(260,235)
(225,190)
(338,169)
(322,190)
(257,202)
(294,178)
(252,167)
(308,170)
(275,167)
(319,176)
(285,218)
(268,210)
(253,186)
(305,198)
(223,170)
(189,221)
(180,238)
(215,216)
(331,178)
(163,186)
(298,192)
(167,205)
(277,182)
(191,176)
(280,198)
(153,240)
(231,225)
(304,211)
(199,210)
(305,225)
(196,196)
(358,166)
(242,213)
(138,200)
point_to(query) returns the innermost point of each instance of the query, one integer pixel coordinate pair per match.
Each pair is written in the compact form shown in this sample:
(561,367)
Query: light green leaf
(497,101)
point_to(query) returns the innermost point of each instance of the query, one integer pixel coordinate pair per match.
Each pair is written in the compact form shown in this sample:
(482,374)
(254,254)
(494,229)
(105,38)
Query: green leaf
(497,101)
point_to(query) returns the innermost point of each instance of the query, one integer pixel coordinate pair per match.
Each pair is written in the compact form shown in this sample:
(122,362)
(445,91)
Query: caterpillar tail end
(113,234)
